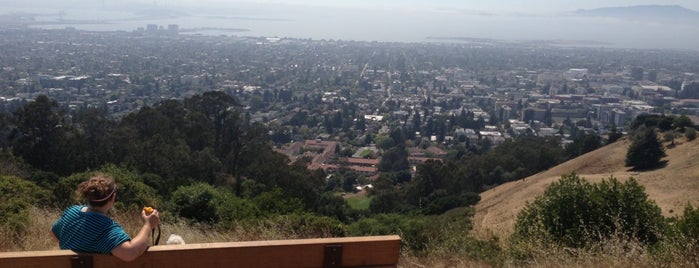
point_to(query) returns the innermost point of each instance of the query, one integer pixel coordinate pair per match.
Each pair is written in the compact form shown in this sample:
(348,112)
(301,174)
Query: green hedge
(573,212)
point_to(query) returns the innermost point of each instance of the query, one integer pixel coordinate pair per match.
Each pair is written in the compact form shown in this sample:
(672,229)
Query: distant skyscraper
(652,75)
(152,28)
(173,29)
(637,73)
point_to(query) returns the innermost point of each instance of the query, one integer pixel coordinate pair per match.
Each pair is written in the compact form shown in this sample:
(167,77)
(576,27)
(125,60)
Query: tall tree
(682,122)
(40,133)
(394,160)
(217,107)
(645,151)
(90,134)
(5,128)
(584,144)
(613,135)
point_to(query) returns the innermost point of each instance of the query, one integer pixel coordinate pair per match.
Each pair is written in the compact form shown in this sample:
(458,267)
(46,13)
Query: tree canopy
(645,150)
(205,138)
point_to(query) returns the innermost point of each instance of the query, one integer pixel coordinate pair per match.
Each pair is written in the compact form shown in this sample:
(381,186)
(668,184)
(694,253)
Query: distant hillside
(671,187)
(645,12)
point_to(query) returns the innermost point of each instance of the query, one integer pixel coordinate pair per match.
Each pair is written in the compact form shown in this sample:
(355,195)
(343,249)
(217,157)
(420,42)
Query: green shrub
(44,179)
(688,224)
(16,197)
(335,206)
(380,224)
(447,202)
(14,188)
(196,202)
(414,230)
(14,216)
(690,133)
(625,209)
(206,203)
(447,233)
(231,209)
(275,202)
(573,213)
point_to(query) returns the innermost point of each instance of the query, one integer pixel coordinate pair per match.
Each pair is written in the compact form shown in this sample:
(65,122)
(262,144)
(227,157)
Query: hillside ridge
(672,187)
(641,11)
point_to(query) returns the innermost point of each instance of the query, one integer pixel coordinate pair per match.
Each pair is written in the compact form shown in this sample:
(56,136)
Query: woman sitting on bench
(88,229)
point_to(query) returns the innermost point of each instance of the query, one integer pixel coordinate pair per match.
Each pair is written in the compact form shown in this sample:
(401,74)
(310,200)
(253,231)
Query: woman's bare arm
(130,250)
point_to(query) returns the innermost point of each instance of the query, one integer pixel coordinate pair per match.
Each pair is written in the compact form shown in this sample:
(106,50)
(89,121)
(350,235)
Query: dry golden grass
(612,253)
(38,236)
(412,261)
(672,187)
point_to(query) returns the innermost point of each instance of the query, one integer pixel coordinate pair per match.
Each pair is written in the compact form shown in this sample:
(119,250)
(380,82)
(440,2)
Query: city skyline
(666,27)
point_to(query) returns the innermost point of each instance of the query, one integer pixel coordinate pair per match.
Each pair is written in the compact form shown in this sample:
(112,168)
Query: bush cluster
(574,213)
(16,197)
(688,225)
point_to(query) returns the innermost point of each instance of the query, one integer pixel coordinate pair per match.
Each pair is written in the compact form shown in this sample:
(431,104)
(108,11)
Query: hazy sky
(387,20)
(487,6)
(522,6)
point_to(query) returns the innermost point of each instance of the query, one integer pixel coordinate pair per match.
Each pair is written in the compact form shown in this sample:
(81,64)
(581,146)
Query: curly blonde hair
(97,190)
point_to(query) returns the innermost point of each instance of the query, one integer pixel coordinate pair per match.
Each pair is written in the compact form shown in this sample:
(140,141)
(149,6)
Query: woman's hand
(130,250)
(150,216)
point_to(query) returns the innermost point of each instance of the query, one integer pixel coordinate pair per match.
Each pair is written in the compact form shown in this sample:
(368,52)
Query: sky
(516,6)
(485,6)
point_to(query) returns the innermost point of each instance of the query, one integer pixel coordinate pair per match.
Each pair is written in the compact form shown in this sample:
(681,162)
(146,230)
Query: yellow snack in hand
(148,210)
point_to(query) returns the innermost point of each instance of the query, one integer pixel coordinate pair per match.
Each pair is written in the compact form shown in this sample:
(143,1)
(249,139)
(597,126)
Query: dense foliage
(574,213)
(645,150)
(205,138)
(438,186)
(585,144)
(688,224)
(448,230)
(662,122)
(16,197)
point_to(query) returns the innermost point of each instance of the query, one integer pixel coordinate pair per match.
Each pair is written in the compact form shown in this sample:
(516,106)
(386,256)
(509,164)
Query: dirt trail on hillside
(671,187)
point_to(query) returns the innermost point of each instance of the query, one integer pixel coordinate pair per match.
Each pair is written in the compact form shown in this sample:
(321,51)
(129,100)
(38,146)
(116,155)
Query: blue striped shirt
(88,232)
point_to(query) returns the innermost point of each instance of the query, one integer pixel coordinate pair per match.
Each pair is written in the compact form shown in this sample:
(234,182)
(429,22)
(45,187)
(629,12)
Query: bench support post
(81,261)
(332,257)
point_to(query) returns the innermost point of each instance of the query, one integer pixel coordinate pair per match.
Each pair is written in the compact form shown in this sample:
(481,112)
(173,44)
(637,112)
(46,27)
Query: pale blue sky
(520,6)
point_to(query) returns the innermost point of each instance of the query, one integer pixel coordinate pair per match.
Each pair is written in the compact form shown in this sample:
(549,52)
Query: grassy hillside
(671,186)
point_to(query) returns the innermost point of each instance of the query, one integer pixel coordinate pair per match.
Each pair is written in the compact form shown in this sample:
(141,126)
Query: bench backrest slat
(369,251)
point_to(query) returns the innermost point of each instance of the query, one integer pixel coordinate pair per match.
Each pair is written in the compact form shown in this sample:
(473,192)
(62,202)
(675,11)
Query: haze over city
(658,25)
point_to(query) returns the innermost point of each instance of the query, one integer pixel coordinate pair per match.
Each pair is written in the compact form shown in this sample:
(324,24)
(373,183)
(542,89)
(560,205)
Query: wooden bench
(367,251)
